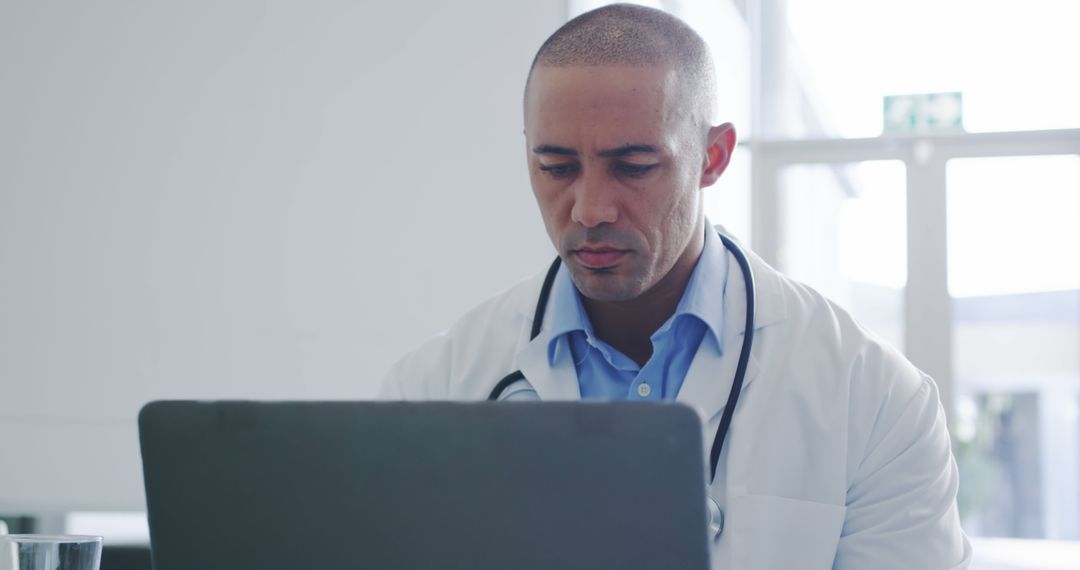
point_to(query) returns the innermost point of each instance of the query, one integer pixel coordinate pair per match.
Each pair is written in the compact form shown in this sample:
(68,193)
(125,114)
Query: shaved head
(636,36)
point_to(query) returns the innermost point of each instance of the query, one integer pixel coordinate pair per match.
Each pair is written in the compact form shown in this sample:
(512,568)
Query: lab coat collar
(553,376)
(712,372)
(554,379)
(771,302)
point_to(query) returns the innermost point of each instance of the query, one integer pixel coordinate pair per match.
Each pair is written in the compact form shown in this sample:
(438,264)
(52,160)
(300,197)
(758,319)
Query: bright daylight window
(1014,275)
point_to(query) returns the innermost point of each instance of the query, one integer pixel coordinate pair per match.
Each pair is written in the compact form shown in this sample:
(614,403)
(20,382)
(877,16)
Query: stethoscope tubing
(740,370)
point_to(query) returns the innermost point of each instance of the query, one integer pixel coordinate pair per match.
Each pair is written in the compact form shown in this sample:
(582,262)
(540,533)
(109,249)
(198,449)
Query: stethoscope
(716,515)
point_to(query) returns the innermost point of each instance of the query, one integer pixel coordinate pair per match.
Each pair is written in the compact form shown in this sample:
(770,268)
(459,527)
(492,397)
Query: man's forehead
(621,104)
(555,83)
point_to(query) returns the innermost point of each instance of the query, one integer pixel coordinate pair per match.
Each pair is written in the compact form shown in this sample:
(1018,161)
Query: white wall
(241,200)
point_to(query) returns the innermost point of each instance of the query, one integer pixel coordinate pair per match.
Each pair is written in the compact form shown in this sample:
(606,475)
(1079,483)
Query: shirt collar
(704,295)
(567,313)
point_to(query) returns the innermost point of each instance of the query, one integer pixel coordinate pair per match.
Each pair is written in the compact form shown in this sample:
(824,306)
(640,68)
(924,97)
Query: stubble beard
(608,285)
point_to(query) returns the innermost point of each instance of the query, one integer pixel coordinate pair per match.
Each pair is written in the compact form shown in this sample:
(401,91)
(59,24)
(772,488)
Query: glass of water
(49,552)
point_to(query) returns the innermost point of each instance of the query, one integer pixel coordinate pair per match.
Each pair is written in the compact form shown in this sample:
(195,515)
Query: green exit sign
(924,112)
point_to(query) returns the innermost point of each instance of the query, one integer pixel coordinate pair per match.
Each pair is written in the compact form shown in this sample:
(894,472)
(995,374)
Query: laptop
(386,485)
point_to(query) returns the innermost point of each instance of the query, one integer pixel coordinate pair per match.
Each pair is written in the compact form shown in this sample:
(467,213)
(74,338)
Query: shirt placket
(648,384)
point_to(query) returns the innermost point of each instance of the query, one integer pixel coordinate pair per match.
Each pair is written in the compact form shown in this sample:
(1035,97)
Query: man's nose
(594,201)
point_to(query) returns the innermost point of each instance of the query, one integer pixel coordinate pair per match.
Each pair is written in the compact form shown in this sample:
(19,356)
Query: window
(1014,277)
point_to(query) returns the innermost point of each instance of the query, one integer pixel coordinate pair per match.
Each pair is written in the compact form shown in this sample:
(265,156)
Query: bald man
(830,449)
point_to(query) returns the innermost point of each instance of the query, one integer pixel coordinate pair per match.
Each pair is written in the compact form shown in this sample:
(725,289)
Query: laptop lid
(297,485)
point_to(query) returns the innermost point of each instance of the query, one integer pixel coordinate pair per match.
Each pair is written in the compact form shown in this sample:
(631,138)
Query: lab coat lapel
(708,382)
(555,382)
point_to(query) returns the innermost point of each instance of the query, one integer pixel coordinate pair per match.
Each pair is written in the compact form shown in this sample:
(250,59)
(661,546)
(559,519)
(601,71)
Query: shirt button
(644,390)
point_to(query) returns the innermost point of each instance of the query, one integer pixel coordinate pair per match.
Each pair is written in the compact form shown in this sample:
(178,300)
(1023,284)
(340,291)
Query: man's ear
(720,144)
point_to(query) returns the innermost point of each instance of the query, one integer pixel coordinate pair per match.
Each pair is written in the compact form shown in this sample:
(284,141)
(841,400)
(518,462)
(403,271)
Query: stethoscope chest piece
(716,520)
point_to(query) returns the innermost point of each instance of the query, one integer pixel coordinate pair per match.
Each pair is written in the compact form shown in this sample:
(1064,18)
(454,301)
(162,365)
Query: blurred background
(278,199)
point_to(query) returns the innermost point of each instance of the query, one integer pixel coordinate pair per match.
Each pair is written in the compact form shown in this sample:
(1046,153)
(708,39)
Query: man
(837,453)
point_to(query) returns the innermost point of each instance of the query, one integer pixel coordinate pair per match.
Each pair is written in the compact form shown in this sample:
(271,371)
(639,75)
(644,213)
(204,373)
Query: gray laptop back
(320,485)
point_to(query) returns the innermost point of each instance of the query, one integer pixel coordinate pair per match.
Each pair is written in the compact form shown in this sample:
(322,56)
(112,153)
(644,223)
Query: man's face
(616,168)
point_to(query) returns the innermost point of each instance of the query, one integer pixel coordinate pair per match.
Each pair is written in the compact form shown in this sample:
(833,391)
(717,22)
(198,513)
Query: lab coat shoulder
(465,361)
(873,385)
(832,381)
(871,379)
(877,417)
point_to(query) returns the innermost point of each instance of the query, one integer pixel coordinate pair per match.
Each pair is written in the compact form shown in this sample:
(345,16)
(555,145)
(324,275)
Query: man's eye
(559,170)
(633,170)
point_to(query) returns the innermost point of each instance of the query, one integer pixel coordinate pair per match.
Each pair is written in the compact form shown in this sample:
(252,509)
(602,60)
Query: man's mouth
(599,257)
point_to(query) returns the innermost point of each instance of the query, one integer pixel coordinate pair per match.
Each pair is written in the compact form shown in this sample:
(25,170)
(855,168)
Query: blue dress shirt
(604,373)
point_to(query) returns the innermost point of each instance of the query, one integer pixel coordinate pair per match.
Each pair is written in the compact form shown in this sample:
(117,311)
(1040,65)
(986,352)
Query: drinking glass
(49,552)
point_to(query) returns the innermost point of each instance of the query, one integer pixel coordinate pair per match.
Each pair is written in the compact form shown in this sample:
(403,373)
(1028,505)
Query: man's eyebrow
(624,150)
(628,149)
(552,149)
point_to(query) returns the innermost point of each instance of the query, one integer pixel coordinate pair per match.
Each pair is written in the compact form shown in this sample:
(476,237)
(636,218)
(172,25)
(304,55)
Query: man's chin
(605,286)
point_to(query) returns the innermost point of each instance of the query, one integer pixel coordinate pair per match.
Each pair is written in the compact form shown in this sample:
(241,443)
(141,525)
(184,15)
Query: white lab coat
(837,455)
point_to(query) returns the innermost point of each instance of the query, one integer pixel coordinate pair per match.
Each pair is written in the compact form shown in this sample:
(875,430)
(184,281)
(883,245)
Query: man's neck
(628,326)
